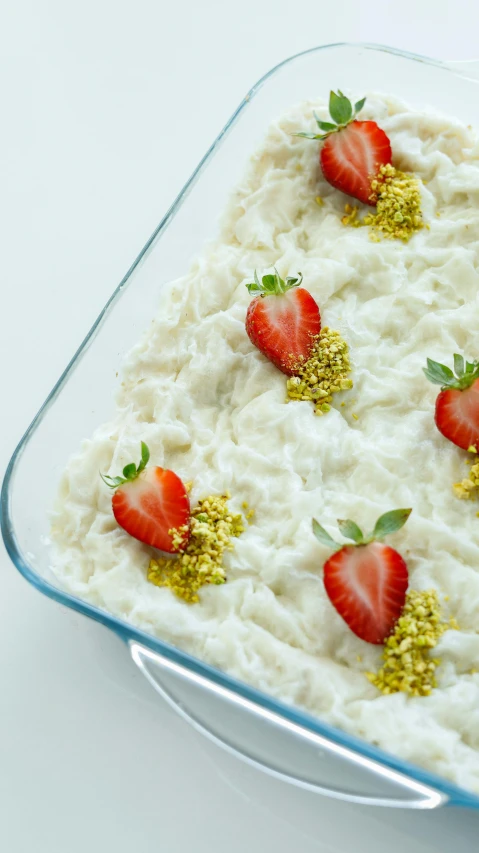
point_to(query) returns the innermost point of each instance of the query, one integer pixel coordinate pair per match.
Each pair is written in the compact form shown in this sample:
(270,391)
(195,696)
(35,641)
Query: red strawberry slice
(150,503)
(351,159)
(353,151)
(367,585)
(283,321)
(367,582)
(457,416)
(457,405)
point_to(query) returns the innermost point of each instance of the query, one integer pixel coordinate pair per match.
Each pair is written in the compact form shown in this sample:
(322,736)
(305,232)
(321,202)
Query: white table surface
(106,107)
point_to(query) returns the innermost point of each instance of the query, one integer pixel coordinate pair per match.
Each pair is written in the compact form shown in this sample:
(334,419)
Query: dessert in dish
(241,413)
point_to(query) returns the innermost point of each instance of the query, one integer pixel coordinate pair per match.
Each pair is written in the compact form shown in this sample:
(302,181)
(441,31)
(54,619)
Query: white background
(106,106)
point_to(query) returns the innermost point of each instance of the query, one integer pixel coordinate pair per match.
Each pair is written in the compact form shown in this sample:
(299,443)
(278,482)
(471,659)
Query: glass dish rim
(456,796)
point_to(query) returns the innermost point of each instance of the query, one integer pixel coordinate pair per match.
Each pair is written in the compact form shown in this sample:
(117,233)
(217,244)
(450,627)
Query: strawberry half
(150,503)
(283,321)
(457,405)
(367,582)
(353,151)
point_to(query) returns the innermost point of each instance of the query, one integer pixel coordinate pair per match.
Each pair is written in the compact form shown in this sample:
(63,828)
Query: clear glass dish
(280,739)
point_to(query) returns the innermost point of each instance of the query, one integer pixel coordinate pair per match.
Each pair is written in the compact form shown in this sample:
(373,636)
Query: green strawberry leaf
(309,135)
(390,522)
(273,285)
(269,283)
(459,369)
(129,471)
(325,125)
(340,108)
(472,369)
(359,105)
(350,530)
(323,537)
(294,281)
(437,373)
(145,454)
(112,482)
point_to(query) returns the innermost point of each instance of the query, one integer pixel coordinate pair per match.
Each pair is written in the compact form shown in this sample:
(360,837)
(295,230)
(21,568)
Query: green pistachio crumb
(407,666)
(211,528)
(324,373)
(398,212)
(468,489)
(398,207)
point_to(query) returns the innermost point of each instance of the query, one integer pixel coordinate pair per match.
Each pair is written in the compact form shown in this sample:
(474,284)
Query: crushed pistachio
(398,208)
(324,373)
(468,489)
(351,216)
(211,528)
(407,665)
(398,212)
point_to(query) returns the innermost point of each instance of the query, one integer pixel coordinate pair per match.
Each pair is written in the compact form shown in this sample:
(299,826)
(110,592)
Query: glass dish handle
(281,748)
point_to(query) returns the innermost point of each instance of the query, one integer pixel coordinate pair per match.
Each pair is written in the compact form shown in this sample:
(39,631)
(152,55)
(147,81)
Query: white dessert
(214,410)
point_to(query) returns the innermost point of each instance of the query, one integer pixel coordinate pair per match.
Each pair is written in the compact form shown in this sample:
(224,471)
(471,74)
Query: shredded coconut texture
(213,409)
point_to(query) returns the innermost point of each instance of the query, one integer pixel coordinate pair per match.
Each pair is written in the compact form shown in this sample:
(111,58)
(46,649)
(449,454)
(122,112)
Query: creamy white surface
(212,408)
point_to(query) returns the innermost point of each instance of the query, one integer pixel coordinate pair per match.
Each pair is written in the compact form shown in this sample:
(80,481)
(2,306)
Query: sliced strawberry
(367,582)
(351,159)
(457,405)
(149,503)
(283,321)
(353,151)
(367,585)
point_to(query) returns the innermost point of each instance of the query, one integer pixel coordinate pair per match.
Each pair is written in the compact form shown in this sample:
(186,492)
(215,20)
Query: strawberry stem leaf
(130,471)
(340,108)
(324,125)
(273,285)
(145,457)
(111,482)
(465,373)
(390,522)
(350,530)
(459,368)
(323,537)
(309,135)
(342,113)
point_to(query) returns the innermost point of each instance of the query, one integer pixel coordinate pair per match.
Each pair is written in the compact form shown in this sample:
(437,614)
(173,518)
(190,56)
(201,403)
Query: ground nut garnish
(324,373)
(398,206)
(407,664)
(398,212)
(212,526)
(468,489)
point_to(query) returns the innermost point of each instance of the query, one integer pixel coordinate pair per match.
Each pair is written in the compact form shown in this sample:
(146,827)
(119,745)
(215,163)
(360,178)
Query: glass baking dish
(281,739)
